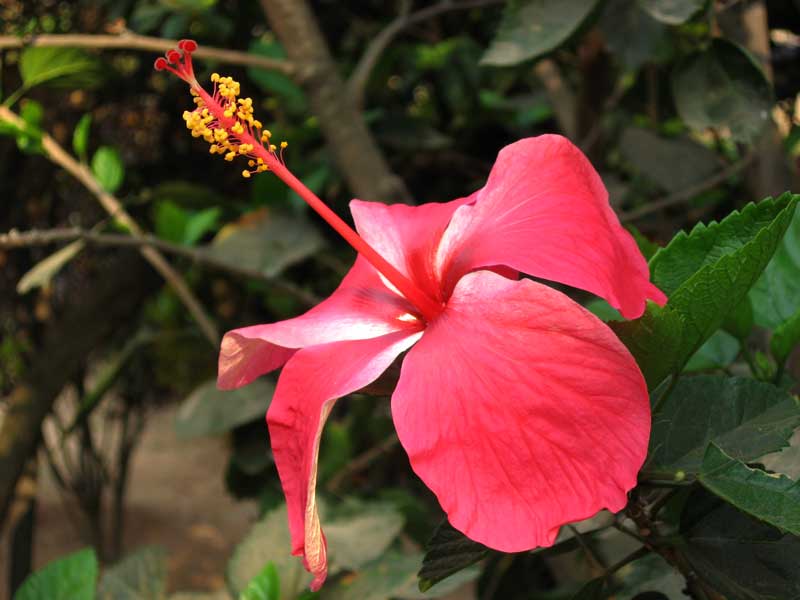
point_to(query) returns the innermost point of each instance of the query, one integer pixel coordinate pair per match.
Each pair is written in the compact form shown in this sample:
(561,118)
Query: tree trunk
(353,147)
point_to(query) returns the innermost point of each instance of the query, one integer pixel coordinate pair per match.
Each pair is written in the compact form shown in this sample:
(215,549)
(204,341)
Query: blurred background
(126,249)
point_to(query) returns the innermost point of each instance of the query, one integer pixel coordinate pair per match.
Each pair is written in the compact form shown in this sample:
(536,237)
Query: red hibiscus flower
(517,407)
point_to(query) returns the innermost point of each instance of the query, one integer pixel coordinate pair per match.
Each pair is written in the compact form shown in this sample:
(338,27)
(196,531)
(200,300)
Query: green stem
(12,99)
(751,363)
(665,478)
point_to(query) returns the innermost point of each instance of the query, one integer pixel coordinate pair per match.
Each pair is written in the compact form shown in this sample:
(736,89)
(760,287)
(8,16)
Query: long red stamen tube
(428,307)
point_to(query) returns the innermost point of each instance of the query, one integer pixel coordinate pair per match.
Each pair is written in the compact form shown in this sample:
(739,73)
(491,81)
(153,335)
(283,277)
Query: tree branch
(357,83)
(86,324)
(43,237)
(688,193)
(132,41)
(353,148)
(114,207)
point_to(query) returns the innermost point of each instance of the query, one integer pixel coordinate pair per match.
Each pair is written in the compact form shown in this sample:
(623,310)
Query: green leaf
(107,167)
(719,351)
(32,113)
(43,272)
(723,87)
(707,297)
(531,28)
(140,575)
(268,542)
(265,242)
(70,578)
(183,226)
(632,35)
(747,418)
(739,556)
(672,12)
(271,82)
(80,137)
(774,499)
(393,576)
(739,322)
(175,26)
(449,551)
(603,310)
(362,535)
(776,295)
(209,411)
(785,338)
(654,339)
(705,245)
(28,135)
(58,66)
(264,586)
(708,272)
(655,157)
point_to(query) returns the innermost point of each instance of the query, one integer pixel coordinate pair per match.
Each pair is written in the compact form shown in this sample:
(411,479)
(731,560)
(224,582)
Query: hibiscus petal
(362,307)
(407,236)
(309,385)
(544,211)
(521,411)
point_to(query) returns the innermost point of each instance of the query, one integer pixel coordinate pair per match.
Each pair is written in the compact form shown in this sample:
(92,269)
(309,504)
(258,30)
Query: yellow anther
(272,147)
(215,77)
(246,174)
(213,149)
(251,163)
(284,144)
(230,156)
(237,128)
(256,123)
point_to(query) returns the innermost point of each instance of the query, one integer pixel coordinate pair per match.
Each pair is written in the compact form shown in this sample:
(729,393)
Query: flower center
(227,123)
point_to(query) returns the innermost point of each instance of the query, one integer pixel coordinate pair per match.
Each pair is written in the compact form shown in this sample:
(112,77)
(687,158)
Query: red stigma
(182,61)
(187,45)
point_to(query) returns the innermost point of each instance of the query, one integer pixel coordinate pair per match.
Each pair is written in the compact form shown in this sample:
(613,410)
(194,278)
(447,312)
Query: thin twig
(635,555)
(113,207)
(690,192)
(594,558)
(358,80)
(201,256)
(591,137)
(133,41)
(622,529)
